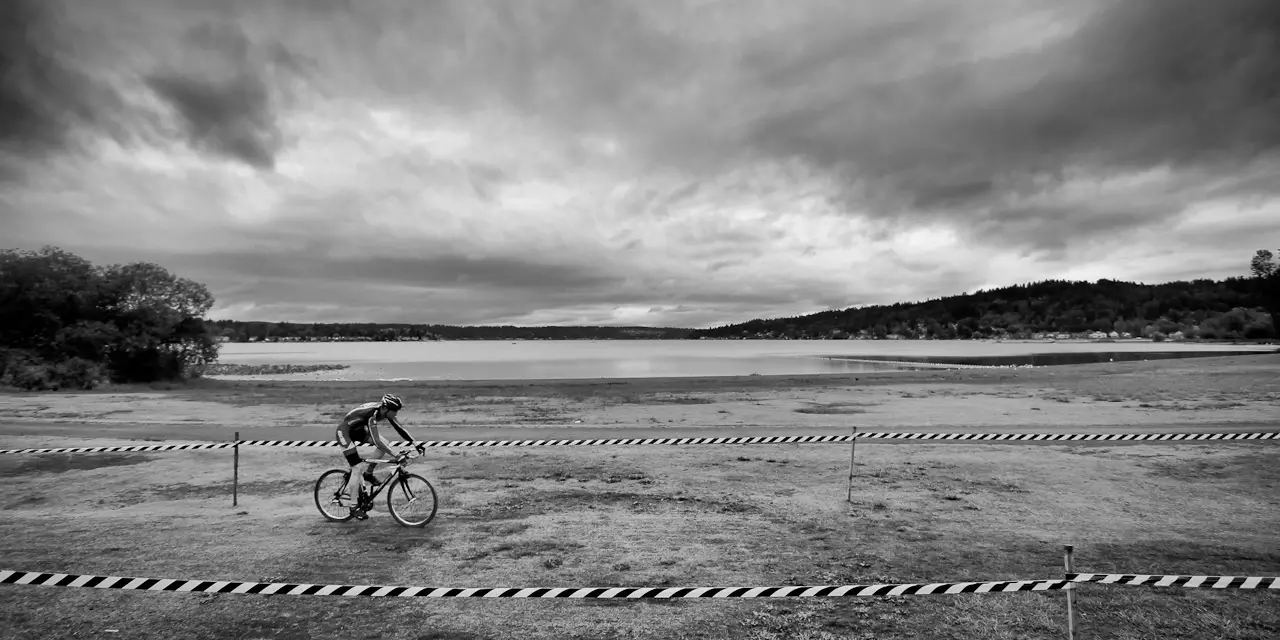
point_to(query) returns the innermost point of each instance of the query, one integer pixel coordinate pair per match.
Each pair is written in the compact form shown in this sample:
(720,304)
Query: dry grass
(652,516)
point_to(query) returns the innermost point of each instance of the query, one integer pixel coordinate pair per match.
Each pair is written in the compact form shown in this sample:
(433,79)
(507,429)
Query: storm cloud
(676,162)
(224,97)
(44,96)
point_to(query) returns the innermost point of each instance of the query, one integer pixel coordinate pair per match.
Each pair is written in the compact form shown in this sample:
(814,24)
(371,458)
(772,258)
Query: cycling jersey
(360,425)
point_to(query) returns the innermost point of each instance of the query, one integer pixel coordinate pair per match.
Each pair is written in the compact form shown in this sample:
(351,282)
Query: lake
(542,359)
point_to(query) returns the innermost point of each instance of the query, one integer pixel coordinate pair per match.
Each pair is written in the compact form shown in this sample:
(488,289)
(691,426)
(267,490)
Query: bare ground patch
(480,465)
(830,408)
(13,465)
(523,504)
(1259,467)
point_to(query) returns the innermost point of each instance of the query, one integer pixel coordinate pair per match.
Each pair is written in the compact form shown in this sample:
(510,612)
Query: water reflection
(487,360)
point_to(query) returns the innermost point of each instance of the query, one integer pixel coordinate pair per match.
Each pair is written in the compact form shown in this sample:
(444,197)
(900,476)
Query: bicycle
(409,493)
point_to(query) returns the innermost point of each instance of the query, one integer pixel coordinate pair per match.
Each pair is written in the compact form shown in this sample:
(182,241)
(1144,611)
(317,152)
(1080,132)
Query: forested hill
(242,331)
(1206,309)
(1235,308)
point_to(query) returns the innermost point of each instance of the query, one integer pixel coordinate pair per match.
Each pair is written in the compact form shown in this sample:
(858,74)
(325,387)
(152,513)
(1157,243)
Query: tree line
(66,323)
(251,331)
(1232,309)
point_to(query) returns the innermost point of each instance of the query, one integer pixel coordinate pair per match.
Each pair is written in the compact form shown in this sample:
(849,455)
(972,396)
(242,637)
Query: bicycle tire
(327,495)
(403,487)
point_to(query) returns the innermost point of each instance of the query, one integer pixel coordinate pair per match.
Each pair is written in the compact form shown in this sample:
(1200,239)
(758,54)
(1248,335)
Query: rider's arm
(399,429)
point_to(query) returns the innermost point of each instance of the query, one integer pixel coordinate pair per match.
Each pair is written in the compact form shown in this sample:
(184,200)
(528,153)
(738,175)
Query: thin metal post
(852,443)
(235,471)
(1071,595)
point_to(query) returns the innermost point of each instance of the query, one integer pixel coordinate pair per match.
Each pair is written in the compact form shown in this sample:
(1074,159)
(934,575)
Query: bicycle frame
(396,474)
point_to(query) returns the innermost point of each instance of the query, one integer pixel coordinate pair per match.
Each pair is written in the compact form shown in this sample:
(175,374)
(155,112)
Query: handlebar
(415,452)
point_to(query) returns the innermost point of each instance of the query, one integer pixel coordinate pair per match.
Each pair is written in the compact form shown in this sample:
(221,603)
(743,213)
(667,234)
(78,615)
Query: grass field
(756,515)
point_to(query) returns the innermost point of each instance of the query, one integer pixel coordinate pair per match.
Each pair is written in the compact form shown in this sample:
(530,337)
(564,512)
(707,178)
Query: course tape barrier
(382,591)
(139,447)
(798,591)
(886,435)
(1206,582)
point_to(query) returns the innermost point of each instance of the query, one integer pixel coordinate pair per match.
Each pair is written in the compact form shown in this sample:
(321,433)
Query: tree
(41,293)
(1262,265)
(1266,274)
(145,285)
(64,321)
(166,337)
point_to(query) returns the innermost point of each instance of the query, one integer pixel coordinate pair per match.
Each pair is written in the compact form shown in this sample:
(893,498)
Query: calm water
(490,360)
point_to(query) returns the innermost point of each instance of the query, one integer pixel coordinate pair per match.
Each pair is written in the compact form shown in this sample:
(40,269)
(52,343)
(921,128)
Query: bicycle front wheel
(412,501)
(328,487)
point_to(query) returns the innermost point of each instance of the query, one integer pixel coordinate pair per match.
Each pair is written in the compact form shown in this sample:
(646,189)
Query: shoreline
(1175,394)
(1044,359)
(756,380)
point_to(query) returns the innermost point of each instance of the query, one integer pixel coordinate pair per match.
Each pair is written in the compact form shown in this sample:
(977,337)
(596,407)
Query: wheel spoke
(330,484)
(412,502)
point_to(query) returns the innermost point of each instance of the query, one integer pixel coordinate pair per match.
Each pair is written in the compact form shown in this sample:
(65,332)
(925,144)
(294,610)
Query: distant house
(1113,334)
(1097,335)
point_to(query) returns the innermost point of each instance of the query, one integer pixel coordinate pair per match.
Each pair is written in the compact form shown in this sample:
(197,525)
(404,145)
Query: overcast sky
(666,162)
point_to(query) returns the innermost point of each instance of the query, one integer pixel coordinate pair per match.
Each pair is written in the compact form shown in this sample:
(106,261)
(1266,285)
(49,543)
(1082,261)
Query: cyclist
(360,426)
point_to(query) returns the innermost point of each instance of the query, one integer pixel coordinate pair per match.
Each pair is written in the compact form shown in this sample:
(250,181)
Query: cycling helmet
(392,403)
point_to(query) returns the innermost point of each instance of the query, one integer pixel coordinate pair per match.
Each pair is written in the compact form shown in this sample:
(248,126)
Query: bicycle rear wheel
(412,500)
(327,489)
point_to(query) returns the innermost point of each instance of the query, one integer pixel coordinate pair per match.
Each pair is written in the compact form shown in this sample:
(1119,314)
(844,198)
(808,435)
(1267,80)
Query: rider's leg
(347,495)
(350,490)
(383,447)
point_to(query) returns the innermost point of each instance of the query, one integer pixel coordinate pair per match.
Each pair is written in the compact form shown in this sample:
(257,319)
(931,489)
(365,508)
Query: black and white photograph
(631,319)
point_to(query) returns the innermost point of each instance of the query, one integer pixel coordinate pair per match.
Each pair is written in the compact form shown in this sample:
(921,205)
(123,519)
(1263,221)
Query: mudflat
(735,515)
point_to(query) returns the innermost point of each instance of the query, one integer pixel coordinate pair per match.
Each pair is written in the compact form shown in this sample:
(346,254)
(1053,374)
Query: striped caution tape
(1071,437)
(796,591)
(1206,582)
(1047,437)
(976,437)
(381,591)
(140,447)
(641,441)
(885,435)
